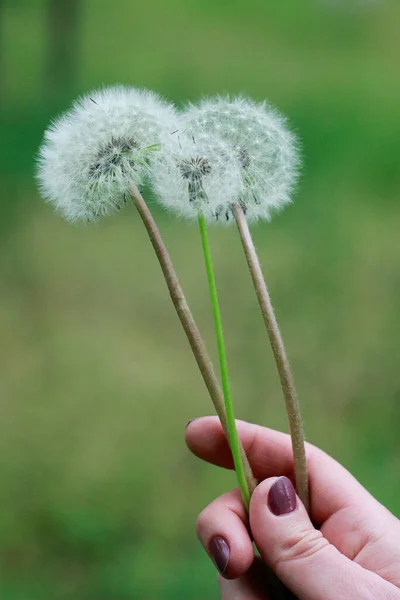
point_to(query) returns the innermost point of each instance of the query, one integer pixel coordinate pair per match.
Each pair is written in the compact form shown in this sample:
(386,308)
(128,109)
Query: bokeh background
(98,493)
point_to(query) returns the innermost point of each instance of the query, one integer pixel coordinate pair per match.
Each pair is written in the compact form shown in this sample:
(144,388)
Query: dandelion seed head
(266,150)
(195,167)
(196,172)
(91,153)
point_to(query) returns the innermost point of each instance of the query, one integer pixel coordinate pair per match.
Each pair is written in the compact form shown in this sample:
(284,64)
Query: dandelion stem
(233,435)
(282,362)
(188,323)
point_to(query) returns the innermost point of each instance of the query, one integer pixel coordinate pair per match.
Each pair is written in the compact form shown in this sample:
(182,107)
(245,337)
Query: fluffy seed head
(197,172)
(264,147)
(108,138)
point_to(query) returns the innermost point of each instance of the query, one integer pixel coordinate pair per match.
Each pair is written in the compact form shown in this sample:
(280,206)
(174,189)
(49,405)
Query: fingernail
(282,497)
(190,421)
(220,553)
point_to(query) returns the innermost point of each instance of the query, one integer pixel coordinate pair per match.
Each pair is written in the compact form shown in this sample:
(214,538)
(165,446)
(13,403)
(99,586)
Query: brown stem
(282,362)
(188,323)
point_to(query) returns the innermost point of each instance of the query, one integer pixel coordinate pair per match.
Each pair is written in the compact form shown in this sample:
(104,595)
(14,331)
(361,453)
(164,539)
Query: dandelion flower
(196,173)
(265,148)
(267,154)
(97,155)
(105,140)
(194,176)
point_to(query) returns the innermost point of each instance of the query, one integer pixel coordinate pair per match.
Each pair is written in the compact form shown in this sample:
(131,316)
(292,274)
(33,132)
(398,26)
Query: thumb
(311,567)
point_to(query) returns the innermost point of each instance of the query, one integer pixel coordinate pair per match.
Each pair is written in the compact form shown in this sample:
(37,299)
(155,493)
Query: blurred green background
(98,493)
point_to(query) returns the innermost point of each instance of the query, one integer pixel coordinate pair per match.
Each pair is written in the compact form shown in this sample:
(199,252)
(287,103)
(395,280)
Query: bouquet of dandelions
(221,161)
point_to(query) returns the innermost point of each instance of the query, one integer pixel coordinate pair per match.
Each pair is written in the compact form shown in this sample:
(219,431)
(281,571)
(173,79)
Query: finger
(237,589)
(270,453)
(299,554)
(222,528)
(255,585)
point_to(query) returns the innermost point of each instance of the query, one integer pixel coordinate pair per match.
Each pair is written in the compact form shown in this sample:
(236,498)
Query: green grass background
(98,493)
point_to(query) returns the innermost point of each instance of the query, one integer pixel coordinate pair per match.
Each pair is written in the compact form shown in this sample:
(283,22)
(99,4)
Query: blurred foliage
(99,495)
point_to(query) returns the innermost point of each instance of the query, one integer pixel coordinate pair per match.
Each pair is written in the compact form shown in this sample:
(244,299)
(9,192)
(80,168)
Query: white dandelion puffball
(91,153)
(266,149)
(197,173)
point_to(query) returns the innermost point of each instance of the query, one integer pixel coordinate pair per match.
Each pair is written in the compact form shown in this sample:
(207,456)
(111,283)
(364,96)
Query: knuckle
(254,442)
(301,545)
(201,522)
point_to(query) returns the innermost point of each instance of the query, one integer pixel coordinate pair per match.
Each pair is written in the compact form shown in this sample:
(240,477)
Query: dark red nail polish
(220,553)
(282,497)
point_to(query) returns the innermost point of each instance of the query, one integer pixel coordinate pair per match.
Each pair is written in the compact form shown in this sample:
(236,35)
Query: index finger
(269,452)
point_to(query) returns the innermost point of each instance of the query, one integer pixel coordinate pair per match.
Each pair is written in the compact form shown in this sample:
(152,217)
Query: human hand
(350,550)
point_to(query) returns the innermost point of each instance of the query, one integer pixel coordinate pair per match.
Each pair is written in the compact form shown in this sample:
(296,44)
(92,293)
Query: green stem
(233,435)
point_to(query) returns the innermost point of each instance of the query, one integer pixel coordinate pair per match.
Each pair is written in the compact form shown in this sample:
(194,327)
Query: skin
(349,549)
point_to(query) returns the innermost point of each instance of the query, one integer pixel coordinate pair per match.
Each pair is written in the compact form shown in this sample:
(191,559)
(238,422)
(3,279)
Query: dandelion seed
(91,153)
(194,170)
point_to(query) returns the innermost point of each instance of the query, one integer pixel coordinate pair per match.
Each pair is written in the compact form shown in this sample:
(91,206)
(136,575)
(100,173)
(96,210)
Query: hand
(349,551)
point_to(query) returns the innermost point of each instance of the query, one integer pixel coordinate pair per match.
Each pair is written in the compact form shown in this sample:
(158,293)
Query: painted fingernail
(190,421)
(282,497)
(220,553)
